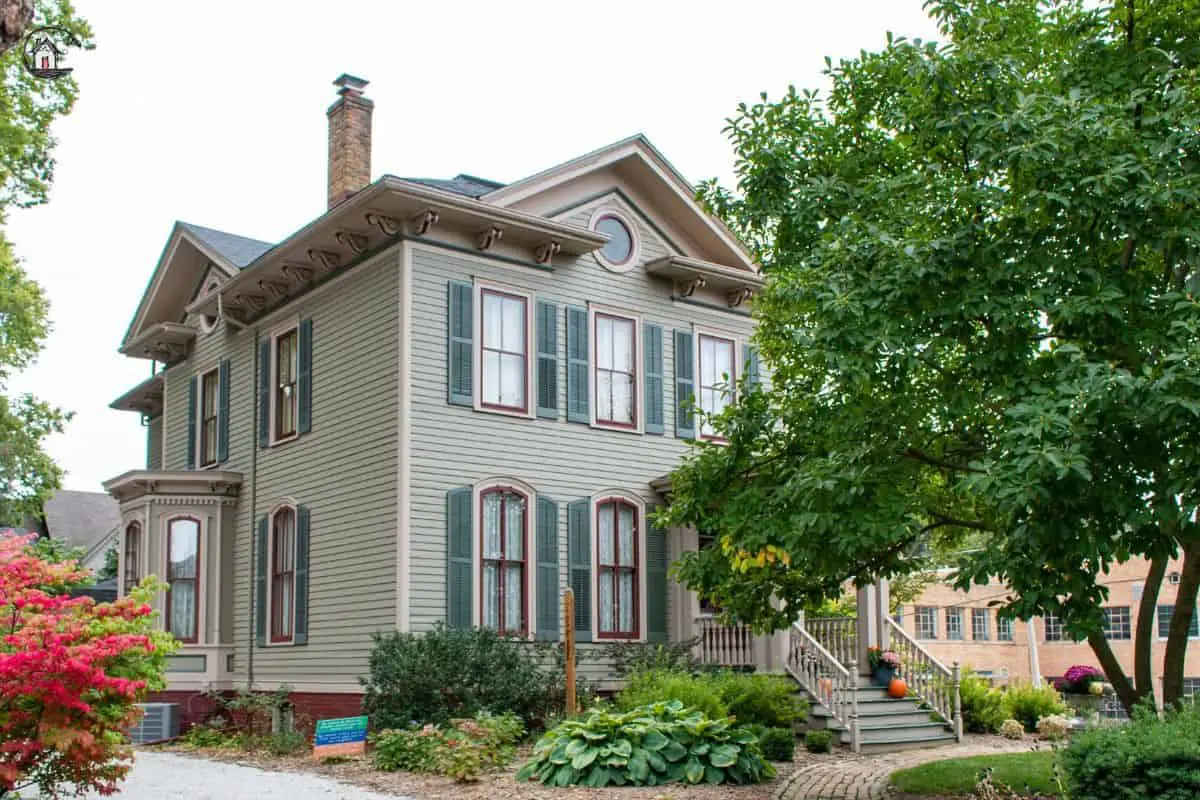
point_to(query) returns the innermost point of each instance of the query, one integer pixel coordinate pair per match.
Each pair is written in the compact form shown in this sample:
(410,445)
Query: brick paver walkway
(865,776)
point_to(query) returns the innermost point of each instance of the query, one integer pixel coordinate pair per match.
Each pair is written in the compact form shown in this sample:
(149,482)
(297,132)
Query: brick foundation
(195,708)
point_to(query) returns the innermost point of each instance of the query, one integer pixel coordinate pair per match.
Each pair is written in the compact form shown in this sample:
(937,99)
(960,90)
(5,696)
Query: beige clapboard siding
(456,446)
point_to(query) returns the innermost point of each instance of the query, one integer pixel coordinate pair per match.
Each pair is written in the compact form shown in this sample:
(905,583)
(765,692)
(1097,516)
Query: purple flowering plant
(1078,679)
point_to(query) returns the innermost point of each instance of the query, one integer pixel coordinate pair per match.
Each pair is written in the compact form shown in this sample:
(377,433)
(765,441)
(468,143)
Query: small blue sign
(346,730)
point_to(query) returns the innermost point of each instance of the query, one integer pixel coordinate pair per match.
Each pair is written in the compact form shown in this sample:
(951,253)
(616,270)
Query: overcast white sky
(214,113)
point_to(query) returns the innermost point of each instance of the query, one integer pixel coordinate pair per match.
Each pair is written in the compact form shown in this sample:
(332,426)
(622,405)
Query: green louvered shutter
(460,332)
(302,539)
(260,583)
(223,411)
(653,356)
(547,360)
(750,365)
(578,366)
(191,423)
(459,558)
(579,562)
(264,394)
(685,386)
(304,349)
(656,582)
(548,610)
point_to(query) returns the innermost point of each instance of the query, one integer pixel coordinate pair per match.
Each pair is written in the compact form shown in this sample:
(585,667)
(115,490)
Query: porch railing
(838,635)
(927,677)
(724,645)
(825,678)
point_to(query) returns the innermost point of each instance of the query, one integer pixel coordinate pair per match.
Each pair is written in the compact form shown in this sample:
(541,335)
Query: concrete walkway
(865,777)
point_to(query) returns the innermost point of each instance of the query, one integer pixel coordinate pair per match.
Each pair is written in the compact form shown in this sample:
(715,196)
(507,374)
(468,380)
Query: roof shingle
(240,251)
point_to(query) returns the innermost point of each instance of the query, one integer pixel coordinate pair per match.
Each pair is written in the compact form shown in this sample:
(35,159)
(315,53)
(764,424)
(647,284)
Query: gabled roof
(237,250)
(463,184)
(82,518)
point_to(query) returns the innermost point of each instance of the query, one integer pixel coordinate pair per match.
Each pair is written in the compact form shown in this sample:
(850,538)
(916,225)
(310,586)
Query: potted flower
(884,664)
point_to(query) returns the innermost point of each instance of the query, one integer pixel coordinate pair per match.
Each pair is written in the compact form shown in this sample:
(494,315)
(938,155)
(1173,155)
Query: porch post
(867,623)
(883,596)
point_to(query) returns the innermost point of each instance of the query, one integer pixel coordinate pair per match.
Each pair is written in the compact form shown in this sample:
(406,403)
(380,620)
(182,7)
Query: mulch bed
(499,785)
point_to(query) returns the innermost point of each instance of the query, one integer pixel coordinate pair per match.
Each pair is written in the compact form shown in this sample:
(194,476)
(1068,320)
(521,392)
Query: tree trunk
(15,16)
(1181,621)
(1143,642)
(1112,670)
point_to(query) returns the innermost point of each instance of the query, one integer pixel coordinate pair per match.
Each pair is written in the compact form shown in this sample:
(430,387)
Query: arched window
(183,574)
(133,557)
(283,574)
(617,568)
(504,530)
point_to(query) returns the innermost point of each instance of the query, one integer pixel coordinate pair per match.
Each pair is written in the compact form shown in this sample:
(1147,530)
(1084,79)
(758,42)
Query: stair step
(901,733)
(889,746)
(874,709)
(901,727)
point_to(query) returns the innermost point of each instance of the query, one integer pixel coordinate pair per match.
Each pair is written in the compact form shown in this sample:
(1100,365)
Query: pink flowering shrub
(71,672)
(879,657)
(1078,679)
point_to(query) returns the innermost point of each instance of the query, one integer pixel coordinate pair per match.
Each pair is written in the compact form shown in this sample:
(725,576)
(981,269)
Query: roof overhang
(162,341)
(388,210)
(201,484)
(145,398)
(690,274)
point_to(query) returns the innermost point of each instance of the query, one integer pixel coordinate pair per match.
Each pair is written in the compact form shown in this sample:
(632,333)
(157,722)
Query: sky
(214,113)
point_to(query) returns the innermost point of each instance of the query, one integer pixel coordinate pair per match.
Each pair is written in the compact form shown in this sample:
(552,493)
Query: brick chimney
(349,139)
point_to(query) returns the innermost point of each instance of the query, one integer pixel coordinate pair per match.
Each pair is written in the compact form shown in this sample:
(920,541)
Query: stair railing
(838,635)
(928,678)
(825,678)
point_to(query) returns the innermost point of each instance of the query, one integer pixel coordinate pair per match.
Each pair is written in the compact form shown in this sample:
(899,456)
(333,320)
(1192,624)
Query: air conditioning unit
(1173,578)
(159,721)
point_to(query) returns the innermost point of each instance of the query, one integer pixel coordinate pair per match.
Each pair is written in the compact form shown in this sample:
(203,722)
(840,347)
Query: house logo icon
(46,50)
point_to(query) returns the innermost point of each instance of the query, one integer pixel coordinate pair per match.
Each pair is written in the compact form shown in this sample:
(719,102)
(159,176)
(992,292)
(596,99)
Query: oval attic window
(619,249)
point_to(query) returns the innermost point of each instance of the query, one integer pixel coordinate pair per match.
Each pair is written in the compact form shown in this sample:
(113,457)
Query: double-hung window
(133,556)
(1054,627)
(718,374)
(1164,622)
(183,575)
(1004,629)
(504,351)
(954,623)
(616,370)
(981,624)
(503,606)
(286,358)
(925,619)
(209,420)
(1117,622)
(283,574)
(617,569)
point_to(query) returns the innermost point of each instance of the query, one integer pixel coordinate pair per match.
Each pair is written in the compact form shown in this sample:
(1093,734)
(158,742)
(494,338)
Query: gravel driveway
(162,776)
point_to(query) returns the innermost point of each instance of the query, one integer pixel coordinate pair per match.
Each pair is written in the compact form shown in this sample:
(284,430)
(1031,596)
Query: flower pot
(883,675)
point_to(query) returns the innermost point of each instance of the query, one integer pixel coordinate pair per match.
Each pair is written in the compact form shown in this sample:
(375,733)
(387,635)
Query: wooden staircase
(821,659)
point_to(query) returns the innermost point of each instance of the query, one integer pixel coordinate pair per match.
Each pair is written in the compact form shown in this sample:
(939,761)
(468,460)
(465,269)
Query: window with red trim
(283,574)
(183,574)
(616,371)
(617,569)
(718,374)
(503,351)
(133,556)
(503,587)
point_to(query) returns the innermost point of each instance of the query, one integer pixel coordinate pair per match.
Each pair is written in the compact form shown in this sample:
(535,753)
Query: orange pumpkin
(898,688)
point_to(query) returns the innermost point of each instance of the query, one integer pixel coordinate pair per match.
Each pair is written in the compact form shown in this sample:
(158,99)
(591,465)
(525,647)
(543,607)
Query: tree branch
(917,455)
(946,520)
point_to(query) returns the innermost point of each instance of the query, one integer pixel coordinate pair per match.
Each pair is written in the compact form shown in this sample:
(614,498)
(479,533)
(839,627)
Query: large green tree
(28,106)
(980,321)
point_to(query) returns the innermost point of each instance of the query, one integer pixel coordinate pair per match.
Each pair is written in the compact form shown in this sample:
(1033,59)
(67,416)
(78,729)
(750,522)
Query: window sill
(291,438)
(503,411)
(616,426)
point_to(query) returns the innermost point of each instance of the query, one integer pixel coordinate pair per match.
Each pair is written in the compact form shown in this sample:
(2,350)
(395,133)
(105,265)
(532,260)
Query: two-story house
(441,401)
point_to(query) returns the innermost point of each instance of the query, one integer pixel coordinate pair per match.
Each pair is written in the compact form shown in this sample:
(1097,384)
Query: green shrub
(448,672)
(628,658)
(695,692)
(656,744)
(1027,704)
(777,744)
(818,741)
(1148,758)
(769,700)
(214,733)
(280,743)
(462,750)
(982,706)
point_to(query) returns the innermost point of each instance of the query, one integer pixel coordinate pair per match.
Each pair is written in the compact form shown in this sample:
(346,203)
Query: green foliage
(278,743)
(1027,704)
(1148,758)
(777,744)
(982,706)
(448,672)
(697,692)
(958,776)
(462,750)
(648,746)
(818,740)
(1012,729)
(109,570)
(980,317)
(214,733)
(630,657)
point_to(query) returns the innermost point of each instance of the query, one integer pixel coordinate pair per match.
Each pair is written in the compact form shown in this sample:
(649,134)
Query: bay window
(183,575)
(133,557)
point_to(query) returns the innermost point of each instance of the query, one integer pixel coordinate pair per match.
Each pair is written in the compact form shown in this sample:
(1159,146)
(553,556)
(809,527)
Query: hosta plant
(650,745)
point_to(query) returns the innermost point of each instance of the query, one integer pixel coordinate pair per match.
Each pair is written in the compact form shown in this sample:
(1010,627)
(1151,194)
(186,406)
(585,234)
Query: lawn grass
(958,775)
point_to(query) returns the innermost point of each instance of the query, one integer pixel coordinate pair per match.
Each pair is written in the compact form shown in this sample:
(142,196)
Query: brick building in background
(962,627)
